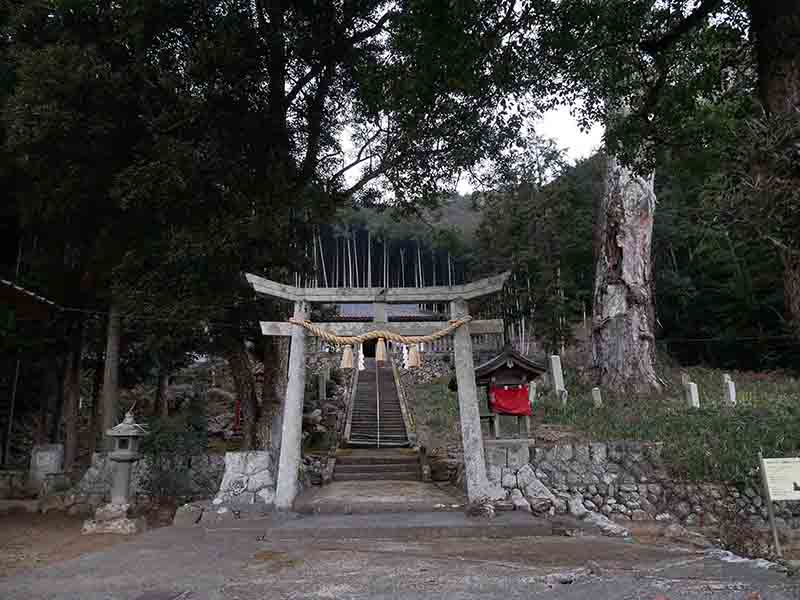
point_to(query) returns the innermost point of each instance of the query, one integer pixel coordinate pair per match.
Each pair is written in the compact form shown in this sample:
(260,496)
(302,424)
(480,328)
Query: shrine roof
(501,362)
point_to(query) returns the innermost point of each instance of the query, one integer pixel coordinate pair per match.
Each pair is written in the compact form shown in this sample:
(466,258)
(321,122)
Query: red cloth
(511,401)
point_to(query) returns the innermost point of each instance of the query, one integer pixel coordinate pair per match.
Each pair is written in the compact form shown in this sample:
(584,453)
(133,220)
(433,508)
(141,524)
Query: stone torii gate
(456,296)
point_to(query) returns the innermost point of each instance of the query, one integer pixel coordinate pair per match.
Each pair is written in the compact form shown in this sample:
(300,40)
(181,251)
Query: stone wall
(13,483)
(94,487)
(624,481)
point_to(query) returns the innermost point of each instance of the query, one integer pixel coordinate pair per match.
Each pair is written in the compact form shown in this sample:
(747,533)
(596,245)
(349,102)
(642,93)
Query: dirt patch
(30,540)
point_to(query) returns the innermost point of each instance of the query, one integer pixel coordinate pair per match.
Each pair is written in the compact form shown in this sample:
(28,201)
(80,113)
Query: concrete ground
(388,556)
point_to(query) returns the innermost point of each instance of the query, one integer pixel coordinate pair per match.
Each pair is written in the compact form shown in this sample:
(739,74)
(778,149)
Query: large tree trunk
(54,392)
(622,334)
(94,419)
(276,362)
(243,380)
(111,373)
(791,289)
(72,392)
(776,29)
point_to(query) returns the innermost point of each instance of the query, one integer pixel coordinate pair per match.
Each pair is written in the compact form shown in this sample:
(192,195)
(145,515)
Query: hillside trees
(164,148)
(535,222)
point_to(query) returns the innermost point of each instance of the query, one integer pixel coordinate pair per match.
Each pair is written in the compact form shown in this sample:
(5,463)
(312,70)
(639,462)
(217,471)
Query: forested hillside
(153,153)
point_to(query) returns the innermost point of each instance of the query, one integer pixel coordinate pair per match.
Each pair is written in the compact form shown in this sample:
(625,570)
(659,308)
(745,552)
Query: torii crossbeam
(478,485)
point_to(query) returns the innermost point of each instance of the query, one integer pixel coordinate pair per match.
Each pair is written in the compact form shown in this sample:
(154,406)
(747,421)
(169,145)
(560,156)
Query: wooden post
(770,510)
(291,433)
(472,439)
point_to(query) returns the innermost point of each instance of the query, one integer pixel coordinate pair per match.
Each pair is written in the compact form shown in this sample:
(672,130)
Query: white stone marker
(46,459)
(685,380)
(729,390)
(291,434)
(597,397)
(558,378)
(692,395)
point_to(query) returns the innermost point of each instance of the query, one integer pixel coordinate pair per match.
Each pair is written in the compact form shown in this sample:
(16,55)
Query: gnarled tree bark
(276,364)
(244,382)
(623,345)
(776,29)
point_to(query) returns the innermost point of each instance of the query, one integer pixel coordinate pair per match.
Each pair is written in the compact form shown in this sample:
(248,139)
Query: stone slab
(352,497)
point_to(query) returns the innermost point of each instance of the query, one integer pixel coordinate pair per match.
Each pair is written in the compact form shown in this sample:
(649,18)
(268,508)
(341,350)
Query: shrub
(168,450)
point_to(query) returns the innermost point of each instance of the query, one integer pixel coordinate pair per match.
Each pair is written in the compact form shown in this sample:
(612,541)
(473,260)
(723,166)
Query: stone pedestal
(46,459)
(113,518)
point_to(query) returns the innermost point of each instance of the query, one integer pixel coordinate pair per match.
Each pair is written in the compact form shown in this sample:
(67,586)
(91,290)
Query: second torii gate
(478,486)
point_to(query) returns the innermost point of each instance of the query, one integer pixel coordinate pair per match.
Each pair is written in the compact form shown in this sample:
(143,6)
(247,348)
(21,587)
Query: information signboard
(783,478)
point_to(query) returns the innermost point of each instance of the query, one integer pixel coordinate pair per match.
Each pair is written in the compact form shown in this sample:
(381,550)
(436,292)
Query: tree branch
(656,45)
(316,114)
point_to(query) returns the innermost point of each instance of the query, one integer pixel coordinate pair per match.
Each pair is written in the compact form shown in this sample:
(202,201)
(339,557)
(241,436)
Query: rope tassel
(413,357)
(347,357)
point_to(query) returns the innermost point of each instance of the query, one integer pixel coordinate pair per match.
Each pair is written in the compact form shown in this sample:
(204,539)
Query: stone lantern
(113,517)
(126,438)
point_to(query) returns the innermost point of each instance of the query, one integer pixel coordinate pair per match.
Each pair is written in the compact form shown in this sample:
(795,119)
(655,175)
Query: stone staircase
(378,446)
(395,464)
(377,419)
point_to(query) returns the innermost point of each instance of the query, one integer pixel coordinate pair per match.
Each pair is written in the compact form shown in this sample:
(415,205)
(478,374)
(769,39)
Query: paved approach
(392,556)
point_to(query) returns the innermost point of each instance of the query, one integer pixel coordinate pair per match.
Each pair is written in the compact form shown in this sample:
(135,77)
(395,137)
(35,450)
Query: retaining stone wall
(626,481)
(13,483)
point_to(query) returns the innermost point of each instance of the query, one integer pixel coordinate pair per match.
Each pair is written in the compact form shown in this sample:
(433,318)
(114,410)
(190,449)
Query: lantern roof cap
(509,359)
(128,428)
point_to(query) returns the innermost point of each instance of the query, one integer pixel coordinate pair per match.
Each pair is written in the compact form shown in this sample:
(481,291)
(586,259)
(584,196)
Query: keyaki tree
(681,76)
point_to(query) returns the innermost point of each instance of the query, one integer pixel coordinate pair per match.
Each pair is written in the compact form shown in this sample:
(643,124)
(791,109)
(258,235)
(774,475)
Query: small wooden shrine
(507,378)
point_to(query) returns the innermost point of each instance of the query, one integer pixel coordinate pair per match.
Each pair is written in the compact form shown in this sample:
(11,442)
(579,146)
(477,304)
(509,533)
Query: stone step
(373,439)
(383,461)
(377,468)
(387,476)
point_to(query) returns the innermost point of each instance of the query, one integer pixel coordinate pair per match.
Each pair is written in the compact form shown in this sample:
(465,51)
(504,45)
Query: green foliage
(434,407)
(537,225)
(714,442)
(168,449)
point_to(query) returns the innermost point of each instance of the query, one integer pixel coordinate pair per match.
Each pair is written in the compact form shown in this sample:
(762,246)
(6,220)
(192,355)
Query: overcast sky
(556,124)
(560,126)
(563,128)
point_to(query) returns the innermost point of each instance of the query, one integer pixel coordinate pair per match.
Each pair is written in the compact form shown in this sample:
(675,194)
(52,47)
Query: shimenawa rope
(340,340)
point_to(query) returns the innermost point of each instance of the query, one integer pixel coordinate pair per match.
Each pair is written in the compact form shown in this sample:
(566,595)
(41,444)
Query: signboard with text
(782,477)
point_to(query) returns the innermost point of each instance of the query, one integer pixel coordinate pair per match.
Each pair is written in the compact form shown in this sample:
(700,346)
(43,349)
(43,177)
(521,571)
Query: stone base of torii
(478,485)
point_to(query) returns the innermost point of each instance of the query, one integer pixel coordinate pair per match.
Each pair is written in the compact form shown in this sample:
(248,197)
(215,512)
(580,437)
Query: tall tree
(682,69)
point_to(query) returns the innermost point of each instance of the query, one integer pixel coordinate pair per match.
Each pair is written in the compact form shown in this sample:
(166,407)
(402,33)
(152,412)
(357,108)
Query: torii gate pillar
(292,427)
(478,485)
